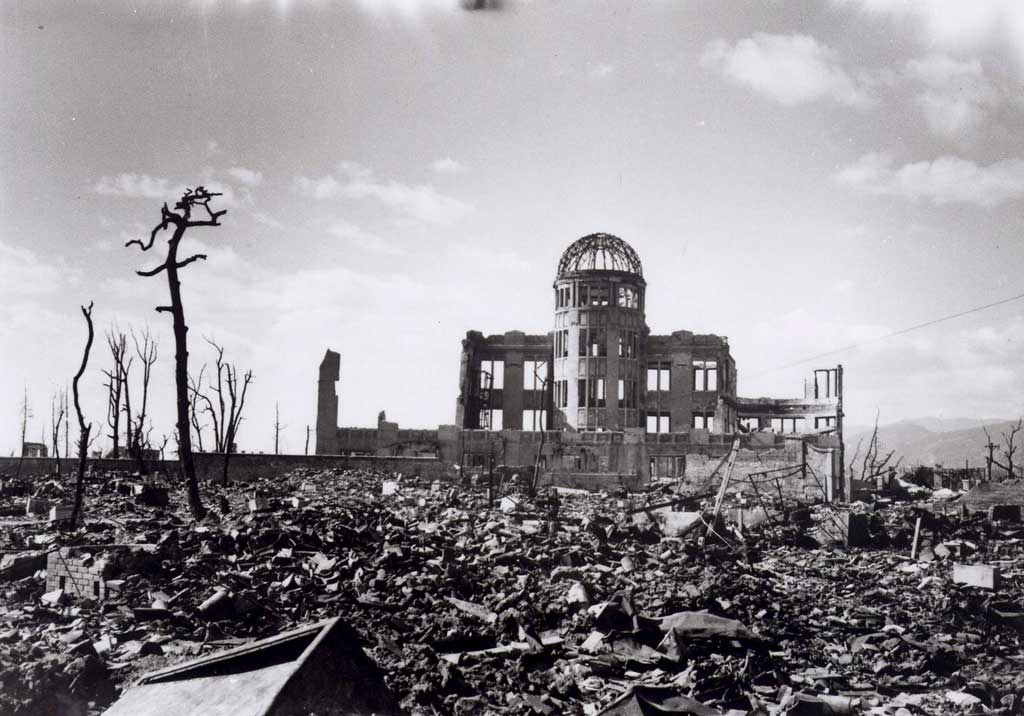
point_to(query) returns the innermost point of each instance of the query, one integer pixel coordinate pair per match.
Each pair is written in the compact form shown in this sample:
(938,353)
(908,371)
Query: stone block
(60,513)
(677,524)
(36,506)
(984,576)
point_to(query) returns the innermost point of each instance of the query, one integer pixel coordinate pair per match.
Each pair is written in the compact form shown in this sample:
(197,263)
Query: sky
(801,177)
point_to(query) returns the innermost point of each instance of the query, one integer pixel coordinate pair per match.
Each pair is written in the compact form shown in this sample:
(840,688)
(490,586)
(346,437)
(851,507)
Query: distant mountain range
(935,441)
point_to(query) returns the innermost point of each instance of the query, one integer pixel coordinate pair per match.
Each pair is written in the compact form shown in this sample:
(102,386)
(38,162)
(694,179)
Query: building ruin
(601,400)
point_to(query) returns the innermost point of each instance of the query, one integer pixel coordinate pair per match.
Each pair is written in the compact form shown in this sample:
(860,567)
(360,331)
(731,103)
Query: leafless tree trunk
(277,428)
(163,444)
(1010,447)
(25,415)
(872,465)
(194,386)
(307,440)
(117,341)
(83,429)
(137,440)
(1009,440)
(182,221)
(226,415)
(56,418)
(67,423)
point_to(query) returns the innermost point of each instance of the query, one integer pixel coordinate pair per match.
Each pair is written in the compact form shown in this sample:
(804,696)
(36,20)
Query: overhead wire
(900,332)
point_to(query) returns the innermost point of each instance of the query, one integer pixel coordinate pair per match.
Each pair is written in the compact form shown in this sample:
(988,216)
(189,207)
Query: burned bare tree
(117,341)
(873,465)
(180,221)
(277,428)
(57,412)
(194,408)
(83,429)
(138,439)
(226,416)
(1009,448)
(26,413)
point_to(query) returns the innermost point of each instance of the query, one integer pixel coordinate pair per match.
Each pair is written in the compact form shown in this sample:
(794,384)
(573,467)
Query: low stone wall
(816,483)
(243,467)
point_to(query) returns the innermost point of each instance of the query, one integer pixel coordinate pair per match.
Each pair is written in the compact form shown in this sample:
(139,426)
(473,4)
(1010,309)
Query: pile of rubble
(567,603)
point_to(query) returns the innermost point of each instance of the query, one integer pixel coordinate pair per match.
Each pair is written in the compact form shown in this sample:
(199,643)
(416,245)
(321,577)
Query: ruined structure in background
(33,450)
(619,404)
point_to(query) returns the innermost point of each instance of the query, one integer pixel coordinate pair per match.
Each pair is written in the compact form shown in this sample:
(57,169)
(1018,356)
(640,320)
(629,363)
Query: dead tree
(307,441)
(137,439)
(872,466)
(195,396)
(226,416)
(67,422)
(56,418)
(163,444)
(1009,448)
(26,413)
(181,220)
(83,429)
(117,341)
(277,428)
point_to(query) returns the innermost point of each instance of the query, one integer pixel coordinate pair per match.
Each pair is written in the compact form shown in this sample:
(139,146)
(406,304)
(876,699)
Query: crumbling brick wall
(77,574)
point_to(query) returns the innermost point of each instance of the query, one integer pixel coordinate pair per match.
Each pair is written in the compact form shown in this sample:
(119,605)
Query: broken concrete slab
(984,576)
(314,669)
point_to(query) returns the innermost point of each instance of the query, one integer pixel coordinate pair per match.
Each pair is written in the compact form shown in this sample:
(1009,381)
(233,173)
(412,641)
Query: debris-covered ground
(555,605)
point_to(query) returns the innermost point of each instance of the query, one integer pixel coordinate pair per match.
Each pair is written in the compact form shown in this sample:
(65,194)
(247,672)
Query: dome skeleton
(599,252)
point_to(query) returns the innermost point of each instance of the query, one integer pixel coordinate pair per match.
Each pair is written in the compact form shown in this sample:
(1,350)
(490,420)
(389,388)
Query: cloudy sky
(797,176)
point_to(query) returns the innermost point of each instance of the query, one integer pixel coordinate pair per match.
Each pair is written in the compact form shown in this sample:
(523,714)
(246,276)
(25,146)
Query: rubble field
(564,603)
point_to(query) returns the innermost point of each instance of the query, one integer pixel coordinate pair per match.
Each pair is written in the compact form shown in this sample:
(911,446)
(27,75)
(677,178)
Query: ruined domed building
(600,398)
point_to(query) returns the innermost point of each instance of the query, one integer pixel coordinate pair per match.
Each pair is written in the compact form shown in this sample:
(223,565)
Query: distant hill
(934,441)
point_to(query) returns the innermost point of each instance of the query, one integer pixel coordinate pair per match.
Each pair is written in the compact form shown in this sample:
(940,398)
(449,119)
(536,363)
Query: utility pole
(277,428)
(988,461)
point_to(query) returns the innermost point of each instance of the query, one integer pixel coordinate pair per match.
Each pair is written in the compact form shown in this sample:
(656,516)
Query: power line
(900,332)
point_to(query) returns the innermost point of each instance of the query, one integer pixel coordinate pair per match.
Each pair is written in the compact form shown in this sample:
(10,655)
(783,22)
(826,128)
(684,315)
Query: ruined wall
(678,351)
(508,394)
(327,403)
(817,483)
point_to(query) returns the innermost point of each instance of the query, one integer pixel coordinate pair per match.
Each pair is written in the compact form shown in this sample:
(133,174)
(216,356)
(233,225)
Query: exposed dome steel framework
(599,252)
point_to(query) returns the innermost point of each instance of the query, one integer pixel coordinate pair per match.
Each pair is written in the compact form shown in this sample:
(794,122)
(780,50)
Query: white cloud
(142,186)
(146,186)
(245,176)
(360,238)
(408,9)
(789,69)
(266,219)
(945,180)
(974,367)
(325,188)
(421,201)
(22,274)
(956,94)
(957,24)
(601,70)
(448,166)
